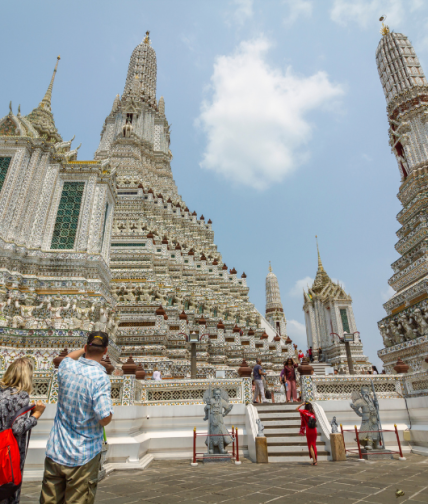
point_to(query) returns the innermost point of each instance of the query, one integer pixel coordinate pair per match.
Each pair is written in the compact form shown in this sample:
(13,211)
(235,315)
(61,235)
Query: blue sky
(279,127)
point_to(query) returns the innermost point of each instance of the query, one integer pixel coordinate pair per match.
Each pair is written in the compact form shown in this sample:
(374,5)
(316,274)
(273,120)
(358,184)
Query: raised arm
(76,354)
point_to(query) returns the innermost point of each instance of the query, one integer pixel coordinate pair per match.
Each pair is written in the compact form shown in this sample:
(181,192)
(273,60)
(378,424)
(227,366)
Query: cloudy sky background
(279,129)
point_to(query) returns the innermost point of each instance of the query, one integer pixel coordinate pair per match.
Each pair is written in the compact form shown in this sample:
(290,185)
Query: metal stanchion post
(237,461)
(358,442)
(194,463)
(233,444)
(399,444)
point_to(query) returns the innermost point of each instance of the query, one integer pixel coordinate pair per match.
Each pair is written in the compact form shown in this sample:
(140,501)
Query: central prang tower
(168,276)
(405,329)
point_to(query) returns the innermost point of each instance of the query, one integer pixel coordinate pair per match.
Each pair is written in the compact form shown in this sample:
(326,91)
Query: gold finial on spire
(147,39)
(385,28)
(46,102)
(270,267)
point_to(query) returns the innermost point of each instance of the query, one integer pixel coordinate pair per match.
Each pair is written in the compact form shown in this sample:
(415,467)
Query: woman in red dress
(308,419)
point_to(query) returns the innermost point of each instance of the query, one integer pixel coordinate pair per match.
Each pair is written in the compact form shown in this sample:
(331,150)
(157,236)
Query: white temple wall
(164,432)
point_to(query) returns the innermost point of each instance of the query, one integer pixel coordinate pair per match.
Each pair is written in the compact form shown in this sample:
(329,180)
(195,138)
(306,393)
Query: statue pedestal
(261,450)
(209,458)
(337,447)
(369,455)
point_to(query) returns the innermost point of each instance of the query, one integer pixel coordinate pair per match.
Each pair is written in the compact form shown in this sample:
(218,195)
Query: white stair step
(276,407)
(291,449)
(281,423)
(287,440)
(285,415)
(285,432)
(294,458)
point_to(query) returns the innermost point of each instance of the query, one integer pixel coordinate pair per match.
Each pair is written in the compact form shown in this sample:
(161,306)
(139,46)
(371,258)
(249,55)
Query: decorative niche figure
(216,407)
(82,320)
(26,320)
(420,320)
(366,407)
(113,325)
(4,301)
(102,322)
(55,307)
(385,336)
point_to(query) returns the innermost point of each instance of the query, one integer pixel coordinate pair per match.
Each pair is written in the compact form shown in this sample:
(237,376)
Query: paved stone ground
(171,482)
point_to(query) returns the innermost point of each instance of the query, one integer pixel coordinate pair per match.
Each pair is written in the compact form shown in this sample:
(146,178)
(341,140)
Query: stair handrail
(251,426)
(323,424)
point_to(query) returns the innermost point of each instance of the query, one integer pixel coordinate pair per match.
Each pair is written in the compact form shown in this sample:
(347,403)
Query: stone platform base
(368,455)
(210,458)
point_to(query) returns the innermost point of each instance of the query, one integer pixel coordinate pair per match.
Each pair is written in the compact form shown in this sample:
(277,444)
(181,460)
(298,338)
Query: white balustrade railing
(339,387)
(251,427)
(323,425)
(416,384)
(186,392)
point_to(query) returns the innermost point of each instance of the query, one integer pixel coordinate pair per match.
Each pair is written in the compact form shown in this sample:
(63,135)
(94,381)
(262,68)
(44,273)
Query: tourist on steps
(288,377)
(309,424)
(15,389)
(257,376)
(84,407)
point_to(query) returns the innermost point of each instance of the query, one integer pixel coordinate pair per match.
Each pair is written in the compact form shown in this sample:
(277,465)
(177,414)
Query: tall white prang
(404,330)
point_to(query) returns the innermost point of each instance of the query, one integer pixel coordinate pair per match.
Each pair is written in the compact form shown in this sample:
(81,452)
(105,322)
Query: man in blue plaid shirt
(84,407)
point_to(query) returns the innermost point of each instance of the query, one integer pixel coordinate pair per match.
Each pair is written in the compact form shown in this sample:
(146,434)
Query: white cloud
(297,8)
(387,293)
(297,333)
(366,12)
(256,121)
(297,289)
(243,10)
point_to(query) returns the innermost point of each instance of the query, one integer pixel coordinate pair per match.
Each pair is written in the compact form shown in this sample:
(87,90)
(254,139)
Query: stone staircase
(282,425)
(319,367)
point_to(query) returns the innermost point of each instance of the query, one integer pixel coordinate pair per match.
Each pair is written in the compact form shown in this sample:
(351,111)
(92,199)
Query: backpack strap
(21,412)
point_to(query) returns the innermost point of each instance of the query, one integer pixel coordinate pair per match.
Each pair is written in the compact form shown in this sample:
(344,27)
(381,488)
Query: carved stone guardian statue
(216,407)
(365,406)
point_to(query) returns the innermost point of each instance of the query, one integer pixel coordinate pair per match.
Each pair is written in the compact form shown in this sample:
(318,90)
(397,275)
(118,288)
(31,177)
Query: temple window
(67,217)
(344,317)
(129,118)
(4,165)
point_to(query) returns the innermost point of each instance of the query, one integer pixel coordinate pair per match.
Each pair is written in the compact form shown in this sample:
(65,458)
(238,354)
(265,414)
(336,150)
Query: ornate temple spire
(321,278)
(142,72)
(46,102)
(273,296)
(41,117)
(398,65)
